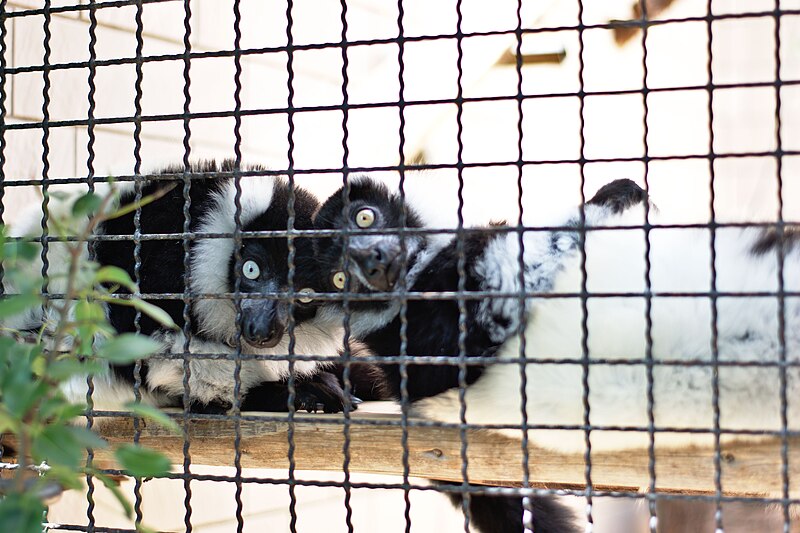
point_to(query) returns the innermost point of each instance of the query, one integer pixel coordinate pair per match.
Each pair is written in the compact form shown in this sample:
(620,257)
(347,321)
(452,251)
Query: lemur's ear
(619,195)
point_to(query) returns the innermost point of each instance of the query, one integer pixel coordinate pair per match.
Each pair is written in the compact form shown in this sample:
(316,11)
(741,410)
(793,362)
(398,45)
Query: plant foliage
(47,429)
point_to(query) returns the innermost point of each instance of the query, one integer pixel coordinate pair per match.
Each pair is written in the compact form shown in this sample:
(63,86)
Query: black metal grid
(45,125)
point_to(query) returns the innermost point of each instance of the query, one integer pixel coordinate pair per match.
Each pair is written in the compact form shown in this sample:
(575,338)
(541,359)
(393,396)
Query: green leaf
(22,393)
(59,195)
(154,414)
(7,344)
(87,438)
(111,485)
(16,304)
(64,445)
(89,312)
(8,422)
(112,274)
(20,251)
(127,348)
(86,205)
(50,406)
(15,372)
(90,317)
(63,369)
(57,444)
(59,409)
(66,477)
(23,280)
(142,462)
(39,365)
(21,513)
(69,412)
(156,313)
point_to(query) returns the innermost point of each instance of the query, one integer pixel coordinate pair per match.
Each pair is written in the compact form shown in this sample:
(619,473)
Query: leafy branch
(76,342)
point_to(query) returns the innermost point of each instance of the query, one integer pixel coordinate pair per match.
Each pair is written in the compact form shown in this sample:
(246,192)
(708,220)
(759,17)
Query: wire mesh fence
(507,110)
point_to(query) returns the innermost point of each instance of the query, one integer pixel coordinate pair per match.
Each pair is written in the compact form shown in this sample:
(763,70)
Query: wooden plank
(748,468)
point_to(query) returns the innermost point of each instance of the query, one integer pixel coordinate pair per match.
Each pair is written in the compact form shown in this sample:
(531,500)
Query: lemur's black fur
(433,327)
(162,268)
(503,514)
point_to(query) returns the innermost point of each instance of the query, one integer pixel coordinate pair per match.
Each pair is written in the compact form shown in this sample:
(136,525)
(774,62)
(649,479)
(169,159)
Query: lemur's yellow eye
(338,280)
(365,218)
(303,296)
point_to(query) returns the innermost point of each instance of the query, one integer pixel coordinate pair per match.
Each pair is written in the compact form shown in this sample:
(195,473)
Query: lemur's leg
(504,514)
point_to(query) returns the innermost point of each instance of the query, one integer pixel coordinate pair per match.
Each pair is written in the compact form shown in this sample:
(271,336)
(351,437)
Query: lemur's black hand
(322,393)
(319,393)
(216,407)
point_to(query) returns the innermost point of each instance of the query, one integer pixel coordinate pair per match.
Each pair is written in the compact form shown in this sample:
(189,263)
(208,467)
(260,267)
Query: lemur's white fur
(747,327)
(210,258)
(108,392)
(213,379)
(209,379)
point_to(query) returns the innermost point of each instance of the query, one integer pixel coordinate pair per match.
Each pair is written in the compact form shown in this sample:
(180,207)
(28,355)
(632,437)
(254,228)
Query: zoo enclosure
(536,97)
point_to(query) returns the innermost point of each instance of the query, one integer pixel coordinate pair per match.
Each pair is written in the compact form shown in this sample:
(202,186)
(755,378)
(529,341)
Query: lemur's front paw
(214,407)
(322,393)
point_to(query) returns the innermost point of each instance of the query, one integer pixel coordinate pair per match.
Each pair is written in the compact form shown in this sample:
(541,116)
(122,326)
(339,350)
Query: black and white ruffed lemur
(212,321)
(727,328)
(693,315)
(491,264)
(491,258)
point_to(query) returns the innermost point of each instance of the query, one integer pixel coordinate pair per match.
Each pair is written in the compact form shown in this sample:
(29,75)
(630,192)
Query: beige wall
(266,507)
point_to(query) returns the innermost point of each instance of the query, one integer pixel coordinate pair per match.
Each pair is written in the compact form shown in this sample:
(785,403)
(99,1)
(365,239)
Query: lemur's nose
(379,264)
(262,329)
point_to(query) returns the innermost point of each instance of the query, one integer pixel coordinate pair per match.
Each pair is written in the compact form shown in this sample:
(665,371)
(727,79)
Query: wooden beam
(748,468)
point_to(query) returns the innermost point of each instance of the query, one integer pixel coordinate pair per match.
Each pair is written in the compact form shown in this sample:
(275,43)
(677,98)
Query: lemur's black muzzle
(379,264)
(263,322)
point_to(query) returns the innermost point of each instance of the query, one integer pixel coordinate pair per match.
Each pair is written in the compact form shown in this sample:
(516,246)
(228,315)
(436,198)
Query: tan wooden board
(747,468)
